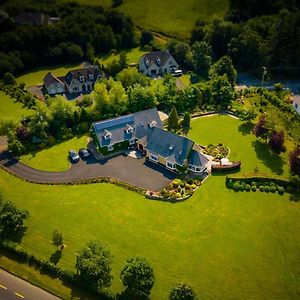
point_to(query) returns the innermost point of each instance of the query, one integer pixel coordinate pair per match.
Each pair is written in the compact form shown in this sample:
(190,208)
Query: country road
(12,288)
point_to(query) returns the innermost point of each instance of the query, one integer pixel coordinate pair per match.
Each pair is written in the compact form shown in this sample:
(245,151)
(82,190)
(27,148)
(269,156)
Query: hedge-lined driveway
(137,172)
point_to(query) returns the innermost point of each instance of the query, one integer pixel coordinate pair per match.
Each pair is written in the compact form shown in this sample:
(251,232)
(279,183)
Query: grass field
(10,110)
(54,158)
(36,76)
(176,18)
(227,245)
(103,3)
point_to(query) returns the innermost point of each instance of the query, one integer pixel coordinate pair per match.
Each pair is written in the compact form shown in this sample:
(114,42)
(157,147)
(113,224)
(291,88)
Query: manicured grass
(227,245)
(133,56)
(36,76)
(176,18)
(11,110)
(242,143)
(103,3)
(54,158)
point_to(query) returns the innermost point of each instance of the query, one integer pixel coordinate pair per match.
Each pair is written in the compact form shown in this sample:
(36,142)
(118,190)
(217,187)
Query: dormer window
(147,62)
(81,78)
(91,76)
(107,135)
(153,124)
(128,129)
(158,61)
(171,147)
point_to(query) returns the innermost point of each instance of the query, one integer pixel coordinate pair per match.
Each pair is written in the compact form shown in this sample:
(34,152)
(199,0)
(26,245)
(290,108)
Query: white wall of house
(171,65)
(55,88)
(75,86)
(296,105)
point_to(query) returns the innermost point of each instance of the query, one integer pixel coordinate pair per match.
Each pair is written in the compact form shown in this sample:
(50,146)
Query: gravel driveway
(133,171)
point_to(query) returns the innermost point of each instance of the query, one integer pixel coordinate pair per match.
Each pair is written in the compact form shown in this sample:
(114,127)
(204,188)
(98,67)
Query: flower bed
(217,152)
(177,190)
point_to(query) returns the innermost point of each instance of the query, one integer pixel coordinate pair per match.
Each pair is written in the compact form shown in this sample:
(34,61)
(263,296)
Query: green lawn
(133,56)
(36,76)
(104,3)
(243,145)
(227,245)
(10,110)
(54,158)
(176,18)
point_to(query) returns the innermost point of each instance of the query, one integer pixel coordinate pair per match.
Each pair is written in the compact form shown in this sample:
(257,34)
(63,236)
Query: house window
(170,165)
(75,89)
(81,78)
(153,157)
(110,147)
(132,141)
(91,77)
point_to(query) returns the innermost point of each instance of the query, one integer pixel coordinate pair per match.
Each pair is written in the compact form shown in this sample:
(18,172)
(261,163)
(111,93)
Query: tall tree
(57,238)
(221,90)
(202,53)
(186,120)
(276,142)
(94,265)
(138,277)
(224,66)
(182,292)
(11,219)
(173,120)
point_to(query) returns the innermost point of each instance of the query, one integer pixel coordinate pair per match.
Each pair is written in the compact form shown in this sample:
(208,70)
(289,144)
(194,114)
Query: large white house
(296,104)
(157,63)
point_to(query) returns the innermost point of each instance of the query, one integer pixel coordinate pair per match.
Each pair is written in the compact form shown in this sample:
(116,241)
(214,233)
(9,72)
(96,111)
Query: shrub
(253,188)
(261,188)
(280,190)
(182,184)
(236,186)
(193,186)
(190,181)
(247,187)
(178,195)
(253,183)
(187,186)
(272,189)
(290,189)
(173,196)
(175,184)
(267,189)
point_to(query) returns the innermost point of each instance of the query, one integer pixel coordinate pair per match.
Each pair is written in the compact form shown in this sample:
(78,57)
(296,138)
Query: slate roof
(169,145)
(153,56)
(85,72)
(51,78)
(117,127)
(197,159)
(296,99)
(33,18)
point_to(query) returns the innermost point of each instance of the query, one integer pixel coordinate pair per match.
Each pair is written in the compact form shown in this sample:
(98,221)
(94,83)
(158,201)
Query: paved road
(133,171)
(13,288)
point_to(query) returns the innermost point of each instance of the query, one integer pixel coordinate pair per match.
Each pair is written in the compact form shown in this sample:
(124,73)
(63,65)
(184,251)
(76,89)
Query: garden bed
(218,152)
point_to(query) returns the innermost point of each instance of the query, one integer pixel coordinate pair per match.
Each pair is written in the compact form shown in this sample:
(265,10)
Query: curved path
(137,172)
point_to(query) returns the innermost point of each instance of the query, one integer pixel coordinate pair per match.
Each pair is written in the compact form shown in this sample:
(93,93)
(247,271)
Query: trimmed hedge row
(260,183)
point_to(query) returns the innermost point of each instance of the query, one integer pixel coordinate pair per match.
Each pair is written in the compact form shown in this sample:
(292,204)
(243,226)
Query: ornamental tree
(173,119)
(138,277)
(294,161)
(276,142)
(182,292)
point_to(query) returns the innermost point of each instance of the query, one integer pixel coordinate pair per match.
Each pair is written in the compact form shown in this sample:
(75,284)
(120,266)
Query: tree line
(81,32)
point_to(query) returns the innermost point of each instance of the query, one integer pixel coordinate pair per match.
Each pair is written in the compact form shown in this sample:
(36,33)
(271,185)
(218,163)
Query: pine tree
(173,119)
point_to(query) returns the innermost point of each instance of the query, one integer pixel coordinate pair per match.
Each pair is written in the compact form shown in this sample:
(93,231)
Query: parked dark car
(73,156)
(84,153)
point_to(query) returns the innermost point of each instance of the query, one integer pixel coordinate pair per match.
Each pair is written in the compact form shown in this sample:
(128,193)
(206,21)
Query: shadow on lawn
(245,128)
(55,257)
(273,162)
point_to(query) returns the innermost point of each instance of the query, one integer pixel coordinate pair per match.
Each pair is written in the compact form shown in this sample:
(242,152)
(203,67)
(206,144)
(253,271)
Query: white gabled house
(296,104)
(157,63)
